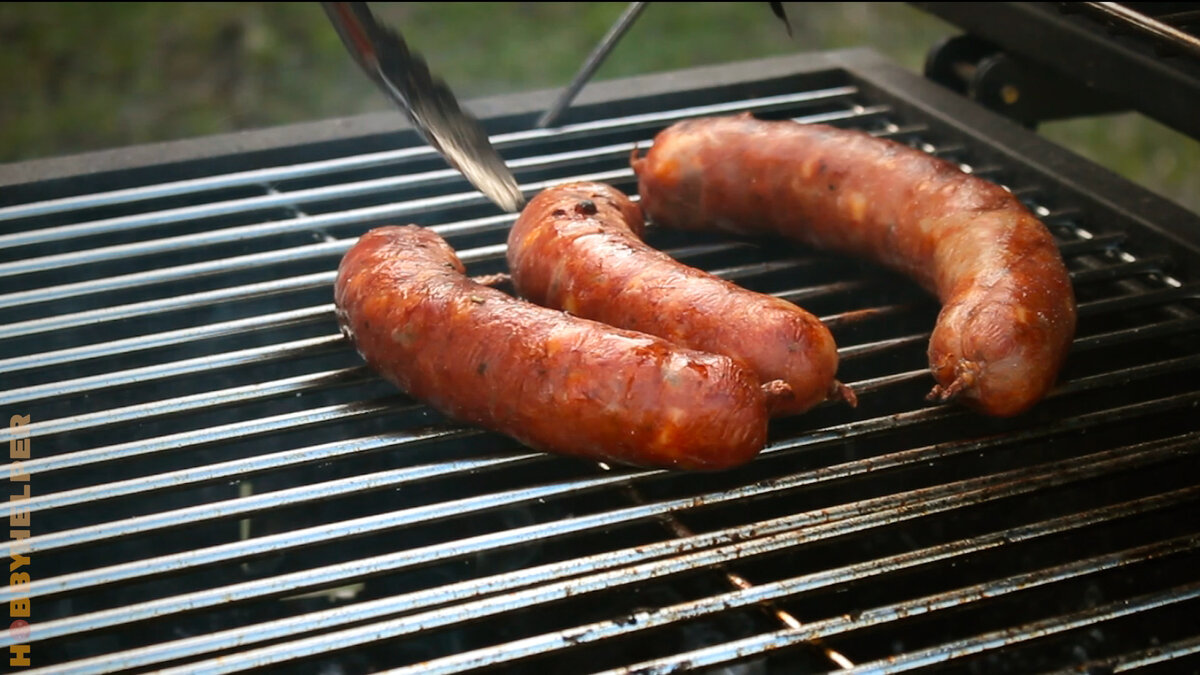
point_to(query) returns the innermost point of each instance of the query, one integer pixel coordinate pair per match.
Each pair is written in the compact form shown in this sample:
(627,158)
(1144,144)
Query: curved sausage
(554,382)
(1008,309)
(577,247)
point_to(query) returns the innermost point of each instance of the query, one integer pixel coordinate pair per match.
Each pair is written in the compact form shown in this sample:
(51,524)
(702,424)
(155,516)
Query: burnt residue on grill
(217,482)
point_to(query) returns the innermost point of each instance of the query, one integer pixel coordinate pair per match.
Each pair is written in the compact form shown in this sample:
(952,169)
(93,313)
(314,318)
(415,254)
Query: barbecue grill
(218,484)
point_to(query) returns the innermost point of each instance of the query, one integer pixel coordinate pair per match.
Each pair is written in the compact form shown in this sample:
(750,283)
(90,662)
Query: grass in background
(85,76)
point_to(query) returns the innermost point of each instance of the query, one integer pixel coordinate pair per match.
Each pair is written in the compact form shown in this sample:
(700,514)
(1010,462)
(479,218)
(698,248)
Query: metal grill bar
(291,255)
(880,346)
(276,352)
(295,198)
(280,498)
(422,151)
(1167,37)
(1123,303)
(1092,382)
(233,264)
(1139,659)
(1090,243)
(569,638)
(765,593)
(303,418)
(875,384)
(408,208)
(1121,270)
(195,270)
(306,536)
(261,290)
(163,305)
(325,452)
(161,275)
(879,511)
(238,467)
(483,253)
(304,455)
(865,514)
(1039,629)
(311,223)
(1149,332)
(1118,377)
(791,637)
(208,399)
(166,339)
(316,345)
(182,477)
(677,528)
(200,437)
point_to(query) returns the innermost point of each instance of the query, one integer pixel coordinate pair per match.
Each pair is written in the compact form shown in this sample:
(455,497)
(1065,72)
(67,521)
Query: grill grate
(217,484)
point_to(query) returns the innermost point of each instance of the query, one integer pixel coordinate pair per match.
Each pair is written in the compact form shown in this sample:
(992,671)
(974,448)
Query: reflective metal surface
(218,484)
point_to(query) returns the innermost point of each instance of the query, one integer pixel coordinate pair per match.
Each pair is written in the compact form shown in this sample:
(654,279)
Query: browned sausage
(1008,310)
(555,382)
(576,247)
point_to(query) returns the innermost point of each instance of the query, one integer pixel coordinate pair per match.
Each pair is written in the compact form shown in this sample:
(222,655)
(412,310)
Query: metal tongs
(426,101)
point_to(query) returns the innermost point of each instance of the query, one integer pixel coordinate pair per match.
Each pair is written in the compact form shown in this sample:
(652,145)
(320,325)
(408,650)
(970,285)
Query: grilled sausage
(555,382)
(1008,309)
(576,247)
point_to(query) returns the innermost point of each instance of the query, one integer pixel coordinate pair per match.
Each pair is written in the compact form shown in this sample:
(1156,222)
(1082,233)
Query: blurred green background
(85,76)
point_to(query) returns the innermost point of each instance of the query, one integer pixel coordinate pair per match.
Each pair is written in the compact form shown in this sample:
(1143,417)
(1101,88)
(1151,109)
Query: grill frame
(1127,67)
(1150,226)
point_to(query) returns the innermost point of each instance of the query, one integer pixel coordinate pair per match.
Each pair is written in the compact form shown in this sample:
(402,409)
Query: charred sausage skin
(555,382)
(1008,310)
(577,247)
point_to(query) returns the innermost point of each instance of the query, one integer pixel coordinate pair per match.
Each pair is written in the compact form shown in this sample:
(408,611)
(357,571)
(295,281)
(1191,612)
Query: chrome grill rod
(294,349)
(292,420)
(540,645)
(302,537)
(208,399)
(477,254)
(197,438)
(251,291)
(169,338)
(1040,629)
(254,260)
(248,291)
(185,476)
(421,151)
(302,494)
(868,513)
(91,317)
(302,223)
(1141,658)
(850,518)
(235,467)
(286,318)
(324,452)
(733,651)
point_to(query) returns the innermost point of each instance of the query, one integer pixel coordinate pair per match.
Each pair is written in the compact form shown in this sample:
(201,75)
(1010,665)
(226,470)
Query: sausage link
(555,382)
(1008,309)
(577,247)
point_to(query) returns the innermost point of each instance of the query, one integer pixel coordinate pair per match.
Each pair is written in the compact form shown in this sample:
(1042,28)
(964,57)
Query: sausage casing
(577,247)
(1008,310)
(555,382)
